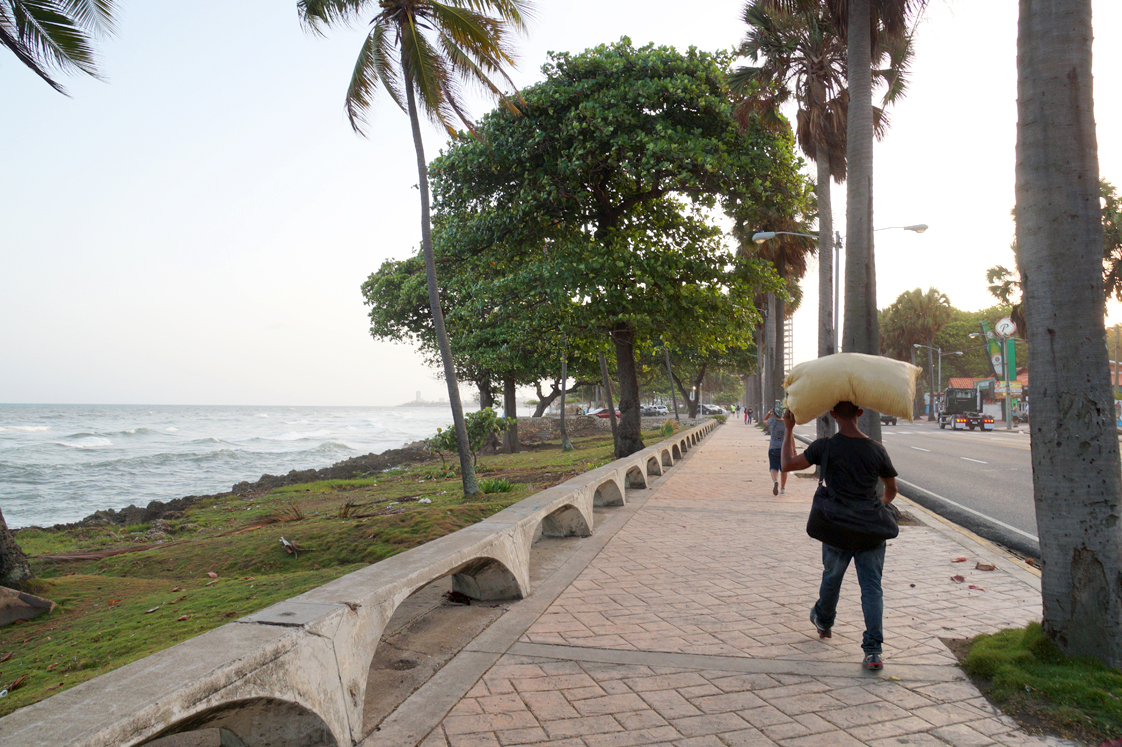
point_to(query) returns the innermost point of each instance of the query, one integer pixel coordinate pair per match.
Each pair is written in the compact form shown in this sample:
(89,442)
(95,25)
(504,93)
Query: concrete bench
(295,674)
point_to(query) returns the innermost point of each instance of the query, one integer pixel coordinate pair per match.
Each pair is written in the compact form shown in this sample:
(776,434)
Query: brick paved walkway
(689,627)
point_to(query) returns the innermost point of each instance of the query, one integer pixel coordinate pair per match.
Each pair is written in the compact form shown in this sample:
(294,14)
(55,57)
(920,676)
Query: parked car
(604,412)
(649,412)
(887,419)
(712,410)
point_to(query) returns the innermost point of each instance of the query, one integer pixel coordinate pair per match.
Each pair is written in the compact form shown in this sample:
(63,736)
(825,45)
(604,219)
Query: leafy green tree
(601,191)
(46,34)
(1077,480)
(421,52)
(482,426)
(916,317)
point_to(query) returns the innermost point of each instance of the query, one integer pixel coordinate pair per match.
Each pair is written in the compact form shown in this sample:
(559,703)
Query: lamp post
(939,385)
(1007,350)
(761,236)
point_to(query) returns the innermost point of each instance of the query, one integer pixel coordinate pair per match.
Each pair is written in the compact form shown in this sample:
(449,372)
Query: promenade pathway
(684,621)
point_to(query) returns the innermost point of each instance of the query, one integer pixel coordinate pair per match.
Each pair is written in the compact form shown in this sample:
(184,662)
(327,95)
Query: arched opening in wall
(248,723)
(654,469)
(608,494)
(676,452)
(425,632)
(635,479)
(667,460)
(566,521)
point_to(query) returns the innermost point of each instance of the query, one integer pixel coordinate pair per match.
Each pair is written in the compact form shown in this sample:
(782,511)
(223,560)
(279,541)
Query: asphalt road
(980,480)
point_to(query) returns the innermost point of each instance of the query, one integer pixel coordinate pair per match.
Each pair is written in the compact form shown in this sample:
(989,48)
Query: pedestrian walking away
(777,427)
(854,463)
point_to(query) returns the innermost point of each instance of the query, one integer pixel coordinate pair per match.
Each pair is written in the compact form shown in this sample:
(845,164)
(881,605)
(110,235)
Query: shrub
(496,486)
(666,429)
(481,426)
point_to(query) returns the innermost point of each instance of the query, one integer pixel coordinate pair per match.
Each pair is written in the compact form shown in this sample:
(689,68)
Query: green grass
(103,619)
(1032,680)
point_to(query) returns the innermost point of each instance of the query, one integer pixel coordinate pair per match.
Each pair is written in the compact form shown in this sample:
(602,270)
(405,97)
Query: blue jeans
(870,564)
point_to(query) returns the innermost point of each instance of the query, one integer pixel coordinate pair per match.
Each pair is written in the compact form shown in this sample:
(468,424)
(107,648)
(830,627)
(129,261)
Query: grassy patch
(1024,673)
(117,608)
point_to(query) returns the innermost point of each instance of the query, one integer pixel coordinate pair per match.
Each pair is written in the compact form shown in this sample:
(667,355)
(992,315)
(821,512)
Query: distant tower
(788,344)
(418,396)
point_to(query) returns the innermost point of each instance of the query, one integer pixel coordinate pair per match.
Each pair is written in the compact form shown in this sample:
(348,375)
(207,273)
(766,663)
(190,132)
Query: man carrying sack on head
(847,516)
(851,465)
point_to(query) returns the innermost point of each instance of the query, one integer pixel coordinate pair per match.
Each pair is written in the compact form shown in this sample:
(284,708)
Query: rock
(19,605)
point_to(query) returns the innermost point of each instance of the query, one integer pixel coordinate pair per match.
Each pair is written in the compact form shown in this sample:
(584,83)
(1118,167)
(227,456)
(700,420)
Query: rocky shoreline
(360,466)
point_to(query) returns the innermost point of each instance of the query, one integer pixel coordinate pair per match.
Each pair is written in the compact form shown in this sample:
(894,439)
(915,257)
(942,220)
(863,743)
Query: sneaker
(823,631)
(775,489)
(782,491)
(873,661)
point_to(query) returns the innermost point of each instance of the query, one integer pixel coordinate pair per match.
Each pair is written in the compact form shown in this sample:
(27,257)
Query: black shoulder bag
(848,525)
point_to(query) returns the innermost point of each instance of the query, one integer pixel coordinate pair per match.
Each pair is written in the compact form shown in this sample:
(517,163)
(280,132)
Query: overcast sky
(195,229)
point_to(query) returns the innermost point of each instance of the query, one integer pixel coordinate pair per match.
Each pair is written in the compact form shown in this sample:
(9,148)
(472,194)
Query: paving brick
(827,739)
(869,713)
(669,704)
(549,706)
(665,682)
(454,725)
(473,740)
(610,704)
(501,703)
(466,707)
(521,736)
(731,702)
(581,727)
(746,738)
(564,682)
(885,729)
(713,723)
(656,735)
(961,735)
(640,720)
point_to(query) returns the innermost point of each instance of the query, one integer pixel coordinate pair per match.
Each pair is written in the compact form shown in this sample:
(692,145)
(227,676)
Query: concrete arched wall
(256,722)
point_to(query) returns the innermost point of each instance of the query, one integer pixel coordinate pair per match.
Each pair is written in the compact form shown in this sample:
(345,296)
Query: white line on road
(918,449)
(956,504)
(979,461)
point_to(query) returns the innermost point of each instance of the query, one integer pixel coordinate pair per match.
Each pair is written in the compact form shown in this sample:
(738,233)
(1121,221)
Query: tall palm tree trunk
(778,364)
(467,468)
(566,444)
(1075,461)
(15,571)
(825,426)
(859,333)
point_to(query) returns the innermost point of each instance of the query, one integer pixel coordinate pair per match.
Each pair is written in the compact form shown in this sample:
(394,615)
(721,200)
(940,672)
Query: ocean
(61,463)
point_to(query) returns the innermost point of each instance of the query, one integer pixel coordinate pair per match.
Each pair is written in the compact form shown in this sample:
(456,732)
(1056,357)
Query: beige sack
(868,381)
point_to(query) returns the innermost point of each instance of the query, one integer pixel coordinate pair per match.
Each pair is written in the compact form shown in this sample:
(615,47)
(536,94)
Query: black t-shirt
(854,465)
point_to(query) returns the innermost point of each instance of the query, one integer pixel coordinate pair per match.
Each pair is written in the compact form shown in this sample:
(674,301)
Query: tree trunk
(769,353)
(630,436)
(510,405)
(566,444)
(608,397)
(467,467)
(1075,461)
(545,400)
(670,376)
(486,396)
(779,364)
(14,568)
(860,333)
(825,424)
(694,402)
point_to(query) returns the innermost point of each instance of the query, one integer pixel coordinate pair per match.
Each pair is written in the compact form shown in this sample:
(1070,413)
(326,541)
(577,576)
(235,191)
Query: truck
(960,409)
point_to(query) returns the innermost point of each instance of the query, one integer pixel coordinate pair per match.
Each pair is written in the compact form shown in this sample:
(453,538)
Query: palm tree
(425,49)
(916,317)
(45,34)
(805,59)
(1077,481)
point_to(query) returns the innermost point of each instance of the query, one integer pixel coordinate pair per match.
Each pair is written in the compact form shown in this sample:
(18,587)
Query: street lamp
(761,236)
(939,387)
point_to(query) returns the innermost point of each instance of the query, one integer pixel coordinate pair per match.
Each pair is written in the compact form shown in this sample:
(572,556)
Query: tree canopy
(601,196)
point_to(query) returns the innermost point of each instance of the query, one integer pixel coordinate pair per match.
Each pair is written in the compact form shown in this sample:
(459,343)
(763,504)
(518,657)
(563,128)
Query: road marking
(979,461)
(956,504)
(918,449)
